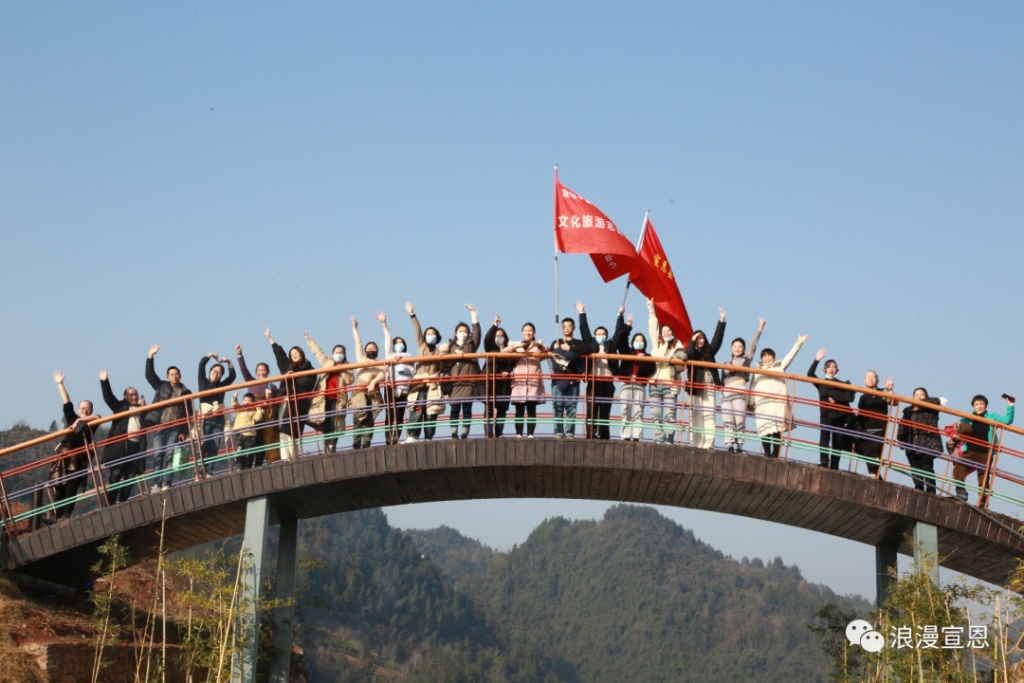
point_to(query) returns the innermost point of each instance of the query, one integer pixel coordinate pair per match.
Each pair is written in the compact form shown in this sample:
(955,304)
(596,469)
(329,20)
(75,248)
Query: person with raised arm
(921,443)
(499,386)
(464,374)
(872,420)
(772,412)
(299,396)
(333,387)
(634,376)
(426,401)
(265,391)
(69,472)
(664,386)
(527,379)
(600,374)
(211,406)
(975,452)
(126,440)
(836,416)
(365,398)
(734,390)
(174,416)
(702,384)
(396,388)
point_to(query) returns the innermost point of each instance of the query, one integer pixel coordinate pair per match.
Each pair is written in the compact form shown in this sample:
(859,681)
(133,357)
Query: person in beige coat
(664,387)
(364,397)
(331,397)
(425,398)
(772,411)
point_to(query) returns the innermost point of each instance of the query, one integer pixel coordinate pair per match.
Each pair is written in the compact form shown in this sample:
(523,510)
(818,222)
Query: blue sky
(190,174)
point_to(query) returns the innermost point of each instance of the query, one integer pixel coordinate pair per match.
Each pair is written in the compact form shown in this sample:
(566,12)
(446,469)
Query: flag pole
(555,235)
(639,243)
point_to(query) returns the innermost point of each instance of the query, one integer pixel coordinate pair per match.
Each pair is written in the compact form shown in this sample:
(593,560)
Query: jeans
(163,442)
(213,430)
(564,405)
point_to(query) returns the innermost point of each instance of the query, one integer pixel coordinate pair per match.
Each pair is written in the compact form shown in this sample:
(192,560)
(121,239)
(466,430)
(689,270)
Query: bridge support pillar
(885,567)
(926,556)
(257,519)
(287,564)
(926,550)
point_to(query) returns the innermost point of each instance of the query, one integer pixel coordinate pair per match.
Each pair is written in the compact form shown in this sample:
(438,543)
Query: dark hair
(436,333)
(638,334)
(367,345)
(741,340)
(979,397)
(398,339)
(461,324)
(264,365)
(249,394)
(569,320)
(339,346)
(125,394)
(768,350)
(831,360)
(215,366)
(530,324)
(599,329)
(302,356)
(173,367)
(922,389)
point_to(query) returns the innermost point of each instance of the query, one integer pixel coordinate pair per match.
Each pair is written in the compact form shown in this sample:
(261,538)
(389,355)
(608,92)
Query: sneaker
(411,439)
(569,435)
(529,436)
(519,436)
(559,435)
(961,494)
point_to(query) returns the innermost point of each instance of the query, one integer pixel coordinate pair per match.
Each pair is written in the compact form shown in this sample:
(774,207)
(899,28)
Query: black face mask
(372,355)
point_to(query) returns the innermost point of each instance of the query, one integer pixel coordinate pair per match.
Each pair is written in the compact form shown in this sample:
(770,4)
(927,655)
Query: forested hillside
(631,597)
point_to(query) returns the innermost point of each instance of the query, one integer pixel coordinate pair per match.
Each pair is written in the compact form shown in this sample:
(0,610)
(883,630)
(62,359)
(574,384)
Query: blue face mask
(601,339)
(431,339)
(639,345)
(399,347)
(339,358)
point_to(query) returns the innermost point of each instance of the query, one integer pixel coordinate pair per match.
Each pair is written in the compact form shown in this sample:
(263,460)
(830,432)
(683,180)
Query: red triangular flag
(581,228)
(653,276)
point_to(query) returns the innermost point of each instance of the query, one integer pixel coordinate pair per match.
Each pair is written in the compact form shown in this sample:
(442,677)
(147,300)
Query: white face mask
(431,339)
(339,358)
(499,340)
(461,337)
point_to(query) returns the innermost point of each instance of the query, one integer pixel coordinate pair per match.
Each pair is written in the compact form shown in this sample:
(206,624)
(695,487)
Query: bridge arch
(973,541)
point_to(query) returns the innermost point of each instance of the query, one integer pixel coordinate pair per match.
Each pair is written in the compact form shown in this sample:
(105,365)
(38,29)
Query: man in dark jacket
(69,471)
(567,365)
(835,413)
(600,374)
(125,440)
(165,441)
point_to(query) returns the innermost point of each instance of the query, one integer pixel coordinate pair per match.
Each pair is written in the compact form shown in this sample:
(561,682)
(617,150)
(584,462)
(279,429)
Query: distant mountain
(637,597)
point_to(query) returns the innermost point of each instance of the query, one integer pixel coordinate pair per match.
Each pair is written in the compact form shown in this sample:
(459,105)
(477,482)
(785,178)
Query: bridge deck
(971,541)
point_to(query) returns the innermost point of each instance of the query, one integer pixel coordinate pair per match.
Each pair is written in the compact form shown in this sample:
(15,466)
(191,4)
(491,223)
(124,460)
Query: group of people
(269,420)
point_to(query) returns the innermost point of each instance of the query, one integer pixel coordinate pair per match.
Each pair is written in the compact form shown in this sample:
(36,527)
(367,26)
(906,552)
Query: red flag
(653,276)
(581,228)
